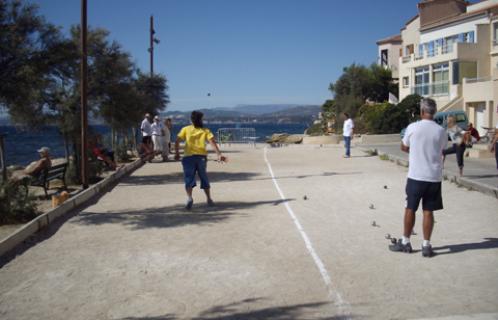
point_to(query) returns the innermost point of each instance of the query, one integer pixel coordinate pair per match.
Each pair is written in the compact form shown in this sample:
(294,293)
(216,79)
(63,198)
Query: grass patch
(384,157)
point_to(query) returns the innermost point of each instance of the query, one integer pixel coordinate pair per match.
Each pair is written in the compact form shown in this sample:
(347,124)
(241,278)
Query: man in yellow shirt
(195,156)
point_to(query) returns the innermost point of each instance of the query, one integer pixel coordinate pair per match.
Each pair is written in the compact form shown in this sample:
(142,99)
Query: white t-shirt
(426,140)
(347,128)
(156,128)
(146,128)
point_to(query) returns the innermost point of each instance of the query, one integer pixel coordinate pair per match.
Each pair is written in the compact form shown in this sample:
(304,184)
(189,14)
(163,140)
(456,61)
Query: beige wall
(392,57)
(410,35)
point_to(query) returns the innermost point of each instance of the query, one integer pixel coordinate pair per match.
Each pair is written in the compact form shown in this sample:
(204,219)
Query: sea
(21,145)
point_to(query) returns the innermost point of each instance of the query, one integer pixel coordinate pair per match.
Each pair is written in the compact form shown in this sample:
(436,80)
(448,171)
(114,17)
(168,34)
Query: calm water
(21,146)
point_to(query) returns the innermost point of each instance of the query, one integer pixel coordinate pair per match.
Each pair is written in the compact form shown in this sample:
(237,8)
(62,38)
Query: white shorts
(158,143)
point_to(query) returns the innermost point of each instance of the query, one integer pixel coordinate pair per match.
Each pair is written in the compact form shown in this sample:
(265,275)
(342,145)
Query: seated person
(474,133)
(102,153)
(35,167)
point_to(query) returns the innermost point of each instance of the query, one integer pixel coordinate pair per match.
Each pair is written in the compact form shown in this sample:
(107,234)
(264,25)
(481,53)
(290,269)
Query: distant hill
(254,113)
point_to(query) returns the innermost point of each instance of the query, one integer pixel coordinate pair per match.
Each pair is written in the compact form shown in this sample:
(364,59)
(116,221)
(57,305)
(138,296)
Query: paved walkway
(300,246)
(481,172)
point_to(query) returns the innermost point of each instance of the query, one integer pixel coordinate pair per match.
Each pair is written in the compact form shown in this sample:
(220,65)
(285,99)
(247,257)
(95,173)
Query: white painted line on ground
(342,305)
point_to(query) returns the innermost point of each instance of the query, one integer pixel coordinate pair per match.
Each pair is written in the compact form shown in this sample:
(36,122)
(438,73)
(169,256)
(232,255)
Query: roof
(409,21)
(391,39)
(459,17)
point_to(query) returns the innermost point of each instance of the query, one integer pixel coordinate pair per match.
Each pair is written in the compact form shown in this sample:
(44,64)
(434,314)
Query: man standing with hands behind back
(347,132)
(425,141)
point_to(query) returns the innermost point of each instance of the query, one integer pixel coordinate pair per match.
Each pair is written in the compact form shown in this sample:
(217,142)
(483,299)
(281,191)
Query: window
(422,81)
(456,72)
(440,77)
(406,82)
(430,49)
(383,58)
(495,33)
(409,50)
(471,37)
(420,50)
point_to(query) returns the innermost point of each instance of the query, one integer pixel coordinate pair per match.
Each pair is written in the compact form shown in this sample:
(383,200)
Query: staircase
(453,104)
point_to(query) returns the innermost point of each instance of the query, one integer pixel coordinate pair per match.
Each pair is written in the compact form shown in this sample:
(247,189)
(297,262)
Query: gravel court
(137,254)
(377,283)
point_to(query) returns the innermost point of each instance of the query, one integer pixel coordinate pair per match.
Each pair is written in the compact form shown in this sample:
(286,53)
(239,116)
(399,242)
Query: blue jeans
(347,145)
(496,154)
(193,165)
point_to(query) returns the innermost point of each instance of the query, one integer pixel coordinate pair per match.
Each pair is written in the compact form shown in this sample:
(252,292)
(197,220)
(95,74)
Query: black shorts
(429,192)
(146,140)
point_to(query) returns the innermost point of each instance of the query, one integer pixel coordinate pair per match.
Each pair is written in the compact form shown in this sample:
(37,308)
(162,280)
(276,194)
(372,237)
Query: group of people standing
(156,137)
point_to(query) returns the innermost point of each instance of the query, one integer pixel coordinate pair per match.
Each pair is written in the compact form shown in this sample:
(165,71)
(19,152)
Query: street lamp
(84,115)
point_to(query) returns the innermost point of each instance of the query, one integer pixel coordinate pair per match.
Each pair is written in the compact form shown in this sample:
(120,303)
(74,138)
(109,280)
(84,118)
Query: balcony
(477,89)
(441,88)
(455,51)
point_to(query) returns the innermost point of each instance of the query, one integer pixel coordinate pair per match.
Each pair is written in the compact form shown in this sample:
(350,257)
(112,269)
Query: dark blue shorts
(191,166)
(428,192)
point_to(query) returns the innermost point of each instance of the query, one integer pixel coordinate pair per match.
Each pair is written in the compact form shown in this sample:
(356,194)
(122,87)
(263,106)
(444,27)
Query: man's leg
(496,154)
(428,224)
(409,223)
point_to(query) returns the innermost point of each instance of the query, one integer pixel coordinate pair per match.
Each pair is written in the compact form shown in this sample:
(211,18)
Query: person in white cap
(35,167)
(157,135)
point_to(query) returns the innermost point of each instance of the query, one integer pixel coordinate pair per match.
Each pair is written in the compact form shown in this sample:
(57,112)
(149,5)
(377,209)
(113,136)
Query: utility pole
(83,81)
(152,41)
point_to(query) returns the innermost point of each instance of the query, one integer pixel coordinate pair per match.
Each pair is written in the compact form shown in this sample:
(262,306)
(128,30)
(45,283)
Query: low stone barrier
(331,139)
(40,222)
(377,138)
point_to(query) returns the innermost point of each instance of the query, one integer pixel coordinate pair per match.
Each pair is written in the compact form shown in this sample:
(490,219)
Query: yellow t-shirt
(195,140)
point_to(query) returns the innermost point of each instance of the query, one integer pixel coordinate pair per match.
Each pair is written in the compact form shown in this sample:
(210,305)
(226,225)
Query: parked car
(441,118)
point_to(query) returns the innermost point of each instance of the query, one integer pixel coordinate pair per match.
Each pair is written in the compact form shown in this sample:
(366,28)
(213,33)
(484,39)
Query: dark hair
(196,118)
(347,115)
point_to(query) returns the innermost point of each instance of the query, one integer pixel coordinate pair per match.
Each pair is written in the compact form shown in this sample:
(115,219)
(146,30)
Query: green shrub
(316,129)
(15,203)
(122,153)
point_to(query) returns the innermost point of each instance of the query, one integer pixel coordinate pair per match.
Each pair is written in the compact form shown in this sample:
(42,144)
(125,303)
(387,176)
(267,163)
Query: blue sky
(244,51)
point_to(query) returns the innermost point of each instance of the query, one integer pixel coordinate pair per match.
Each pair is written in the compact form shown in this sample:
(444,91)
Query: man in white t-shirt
(347,132)
(157,135)
(146,130)
(425,141)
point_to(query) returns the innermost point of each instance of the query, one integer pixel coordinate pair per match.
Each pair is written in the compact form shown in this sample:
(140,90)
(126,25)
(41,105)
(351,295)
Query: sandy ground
(137,254)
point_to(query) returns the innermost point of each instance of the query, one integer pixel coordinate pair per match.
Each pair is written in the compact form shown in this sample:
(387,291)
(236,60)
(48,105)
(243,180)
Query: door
(480,112)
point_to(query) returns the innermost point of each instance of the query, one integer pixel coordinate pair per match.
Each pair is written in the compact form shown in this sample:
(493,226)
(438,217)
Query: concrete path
(481,171)
(300,246)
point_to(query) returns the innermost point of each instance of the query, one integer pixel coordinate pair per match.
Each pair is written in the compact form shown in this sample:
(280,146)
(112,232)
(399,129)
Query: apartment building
(450,53)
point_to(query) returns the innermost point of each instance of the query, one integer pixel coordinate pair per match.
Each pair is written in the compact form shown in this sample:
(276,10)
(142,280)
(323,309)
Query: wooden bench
(55,172)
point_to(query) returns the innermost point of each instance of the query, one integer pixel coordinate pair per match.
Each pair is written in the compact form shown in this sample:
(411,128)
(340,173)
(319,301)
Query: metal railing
(432,89)
(475,80)
(237,135)
(407,59)
(3,165)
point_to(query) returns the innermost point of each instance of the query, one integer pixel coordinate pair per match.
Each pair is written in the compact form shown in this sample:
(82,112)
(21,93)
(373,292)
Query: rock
(285,138)
(372,206)
(305,198)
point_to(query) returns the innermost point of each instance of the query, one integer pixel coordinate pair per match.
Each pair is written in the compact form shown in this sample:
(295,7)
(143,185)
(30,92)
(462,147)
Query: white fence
(237,135)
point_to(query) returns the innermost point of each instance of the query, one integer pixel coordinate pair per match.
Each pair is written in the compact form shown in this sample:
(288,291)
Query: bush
(122,153)
(316,129)
(15,204)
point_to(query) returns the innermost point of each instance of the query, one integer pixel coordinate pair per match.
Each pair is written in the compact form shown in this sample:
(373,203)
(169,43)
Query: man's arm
(218,152)
(405,148)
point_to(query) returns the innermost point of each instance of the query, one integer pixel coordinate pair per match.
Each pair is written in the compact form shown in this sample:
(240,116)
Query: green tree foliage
(358,84)
(388,118)
(26,41)
(40,78)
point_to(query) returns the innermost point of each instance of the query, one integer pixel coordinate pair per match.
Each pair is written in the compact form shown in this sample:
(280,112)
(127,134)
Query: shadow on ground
(171,216)
(488,243)
(177,177)
(239,311)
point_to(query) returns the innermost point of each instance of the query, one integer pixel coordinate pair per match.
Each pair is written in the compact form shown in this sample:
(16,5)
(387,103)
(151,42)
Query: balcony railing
(407,59)
(476,80)
(441,88)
